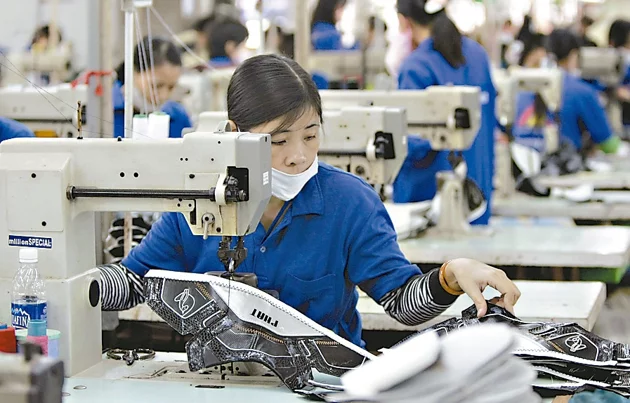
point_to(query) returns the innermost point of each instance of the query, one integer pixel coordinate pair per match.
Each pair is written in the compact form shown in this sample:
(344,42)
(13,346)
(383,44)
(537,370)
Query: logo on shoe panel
(264,317)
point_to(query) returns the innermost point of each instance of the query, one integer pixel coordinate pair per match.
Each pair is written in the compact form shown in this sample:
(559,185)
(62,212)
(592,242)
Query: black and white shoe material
(233,322)
(559,351)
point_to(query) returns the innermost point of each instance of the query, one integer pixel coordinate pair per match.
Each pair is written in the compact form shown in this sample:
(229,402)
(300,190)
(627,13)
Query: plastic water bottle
(29,293)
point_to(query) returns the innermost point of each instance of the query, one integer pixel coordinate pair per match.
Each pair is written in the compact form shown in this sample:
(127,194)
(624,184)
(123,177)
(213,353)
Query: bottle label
(22,313)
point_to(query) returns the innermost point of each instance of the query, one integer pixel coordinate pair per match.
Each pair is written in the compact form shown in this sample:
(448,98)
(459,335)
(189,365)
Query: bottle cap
(37,327)
(28,255)
(3,326)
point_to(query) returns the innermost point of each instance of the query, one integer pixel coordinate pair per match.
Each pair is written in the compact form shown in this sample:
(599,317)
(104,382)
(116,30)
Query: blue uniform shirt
(335,234)
(178,122)
(324,36)
(581,107)
(10,129)
(425,67)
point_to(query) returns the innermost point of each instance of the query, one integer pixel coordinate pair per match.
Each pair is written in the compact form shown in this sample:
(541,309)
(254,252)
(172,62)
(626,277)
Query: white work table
(165,379)
(616,206)
(541,301)
(601,180)
(528,245)
(546,301)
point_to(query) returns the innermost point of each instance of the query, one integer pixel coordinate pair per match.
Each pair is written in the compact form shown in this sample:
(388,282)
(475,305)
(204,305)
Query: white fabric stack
(470,365)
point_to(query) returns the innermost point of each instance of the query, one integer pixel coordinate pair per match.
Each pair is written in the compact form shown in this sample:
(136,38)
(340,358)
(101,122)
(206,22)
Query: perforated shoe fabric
(233,322)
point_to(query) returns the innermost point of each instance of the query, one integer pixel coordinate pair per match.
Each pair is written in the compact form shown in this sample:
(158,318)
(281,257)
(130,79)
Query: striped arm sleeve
(420,299)
(120,288)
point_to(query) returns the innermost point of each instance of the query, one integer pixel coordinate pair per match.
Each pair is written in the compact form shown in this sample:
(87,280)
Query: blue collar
(221,61)
(310,200)
(324,26)
(427,44)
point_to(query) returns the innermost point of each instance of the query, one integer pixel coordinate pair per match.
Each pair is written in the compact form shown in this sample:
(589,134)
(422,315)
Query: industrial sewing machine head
(203,91)
(55,62)
(368,141)
(606,65)
(448,117)
(340,66)
(50,189)
(49,112)
(547,85)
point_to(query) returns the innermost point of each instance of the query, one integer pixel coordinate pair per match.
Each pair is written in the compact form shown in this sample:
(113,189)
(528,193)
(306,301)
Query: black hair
(525,33)
(287,41)
(44,32)
(535,41)
(222,33)
(268,87)
(562,42)
(325,11)
(201,24)
(618,33)
(447,39)
(163,50)
(372,23)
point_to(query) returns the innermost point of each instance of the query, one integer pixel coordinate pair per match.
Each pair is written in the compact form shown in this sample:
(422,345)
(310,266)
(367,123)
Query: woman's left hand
(472,277)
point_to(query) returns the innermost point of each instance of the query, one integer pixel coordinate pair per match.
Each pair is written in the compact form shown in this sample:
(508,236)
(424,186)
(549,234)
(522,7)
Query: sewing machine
(603,64)
(55,62)
(48,111)
(339,66)
(545,82)
(448,117)
(510,83)
(203,91)
(50,189)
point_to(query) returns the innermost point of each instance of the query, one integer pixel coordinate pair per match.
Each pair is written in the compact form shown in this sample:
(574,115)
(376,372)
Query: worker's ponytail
(447,40)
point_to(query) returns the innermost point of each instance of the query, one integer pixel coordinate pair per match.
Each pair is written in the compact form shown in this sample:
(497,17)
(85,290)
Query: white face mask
(400,47)
(286,187)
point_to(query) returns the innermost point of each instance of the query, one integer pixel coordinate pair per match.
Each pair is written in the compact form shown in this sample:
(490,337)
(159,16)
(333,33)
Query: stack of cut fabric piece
(568,358)
(471,365)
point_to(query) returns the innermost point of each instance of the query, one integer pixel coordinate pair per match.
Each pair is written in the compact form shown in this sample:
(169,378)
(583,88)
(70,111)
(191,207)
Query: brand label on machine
(30,242)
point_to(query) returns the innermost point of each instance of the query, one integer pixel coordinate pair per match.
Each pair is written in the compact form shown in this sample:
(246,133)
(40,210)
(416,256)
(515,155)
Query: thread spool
(140,127)
(8,342)
(159,124)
